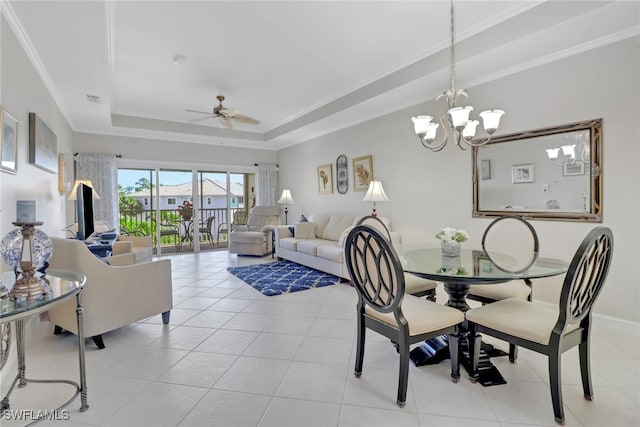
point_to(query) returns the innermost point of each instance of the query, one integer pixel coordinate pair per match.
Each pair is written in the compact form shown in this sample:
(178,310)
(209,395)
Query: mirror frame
(595,171)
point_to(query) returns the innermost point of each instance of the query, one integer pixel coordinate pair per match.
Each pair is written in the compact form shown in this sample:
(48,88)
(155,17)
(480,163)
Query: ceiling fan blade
(199,119)
(229,112)
(225,122)
(246,119)
(199,112)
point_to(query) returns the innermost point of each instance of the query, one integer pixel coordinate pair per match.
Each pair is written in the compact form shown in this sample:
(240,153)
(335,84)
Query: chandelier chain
(452,67)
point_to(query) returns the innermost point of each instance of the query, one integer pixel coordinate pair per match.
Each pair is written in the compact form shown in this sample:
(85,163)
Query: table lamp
(375,193)
(286,198)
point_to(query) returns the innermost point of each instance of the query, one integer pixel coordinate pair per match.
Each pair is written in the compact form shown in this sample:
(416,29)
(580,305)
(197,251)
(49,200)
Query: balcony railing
(141,223)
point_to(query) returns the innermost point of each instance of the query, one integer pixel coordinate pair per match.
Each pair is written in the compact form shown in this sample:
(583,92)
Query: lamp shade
(74,190)
(286,196)
(375,193)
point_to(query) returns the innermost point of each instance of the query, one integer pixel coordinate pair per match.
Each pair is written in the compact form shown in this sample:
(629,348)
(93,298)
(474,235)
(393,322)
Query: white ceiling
(302,68)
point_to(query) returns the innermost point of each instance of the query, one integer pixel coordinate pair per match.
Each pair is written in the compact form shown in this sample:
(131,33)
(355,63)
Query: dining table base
(435,350)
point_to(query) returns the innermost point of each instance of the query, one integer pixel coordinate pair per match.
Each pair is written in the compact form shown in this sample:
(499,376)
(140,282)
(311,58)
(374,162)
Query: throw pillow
(305,230)
(343,236)
(303,218)
(292,230)
(337,224)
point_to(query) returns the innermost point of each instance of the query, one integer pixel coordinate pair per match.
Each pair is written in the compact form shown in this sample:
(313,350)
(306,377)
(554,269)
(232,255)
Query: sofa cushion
(305,230)
(321,222)
(290,243)
(310,246)
(337,224)
(332,252)
(247,237)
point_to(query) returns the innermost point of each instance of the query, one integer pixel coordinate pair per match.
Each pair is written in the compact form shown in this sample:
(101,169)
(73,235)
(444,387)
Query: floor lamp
(286,198)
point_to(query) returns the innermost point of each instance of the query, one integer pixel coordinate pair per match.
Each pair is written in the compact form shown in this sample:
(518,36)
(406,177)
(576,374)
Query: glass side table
(64,285)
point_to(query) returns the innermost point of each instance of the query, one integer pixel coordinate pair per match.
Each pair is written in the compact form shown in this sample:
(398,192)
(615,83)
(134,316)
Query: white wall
(429,191)
(23,92)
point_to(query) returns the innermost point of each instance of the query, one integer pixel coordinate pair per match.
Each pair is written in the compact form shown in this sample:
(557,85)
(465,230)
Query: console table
(63,285)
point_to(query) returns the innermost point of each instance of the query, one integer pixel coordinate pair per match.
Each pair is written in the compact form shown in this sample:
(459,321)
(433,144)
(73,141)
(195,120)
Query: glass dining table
(472,267)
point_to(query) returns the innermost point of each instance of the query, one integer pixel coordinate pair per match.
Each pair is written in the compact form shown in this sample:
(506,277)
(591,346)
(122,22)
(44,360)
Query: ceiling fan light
(491,120)
(460,116)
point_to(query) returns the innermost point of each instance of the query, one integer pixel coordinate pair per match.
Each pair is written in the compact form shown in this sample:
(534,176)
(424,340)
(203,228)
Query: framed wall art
(325,179)
(521,174)
(8,142)
(362,173)
(575,168)
(43,145)
(342,174)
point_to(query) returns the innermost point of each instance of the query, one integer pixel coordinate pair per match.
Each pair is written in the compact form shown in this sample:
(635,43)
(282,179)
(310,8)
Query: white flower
(452,235)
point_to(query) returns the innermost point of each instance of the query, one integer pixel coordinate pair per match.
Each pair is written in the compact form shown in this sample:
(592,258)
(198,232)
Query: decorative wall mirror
(549,174)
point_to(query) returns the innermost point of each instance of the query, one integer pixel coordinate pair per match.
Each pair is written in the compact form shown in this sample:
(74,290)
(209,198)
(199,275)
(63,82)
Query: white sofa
(319,243)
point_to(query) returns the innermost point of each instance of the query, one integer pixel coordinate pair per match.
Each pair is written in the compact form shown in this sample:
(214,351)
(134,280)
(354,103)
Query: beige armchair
(140,246)
(255,237)
(113,296)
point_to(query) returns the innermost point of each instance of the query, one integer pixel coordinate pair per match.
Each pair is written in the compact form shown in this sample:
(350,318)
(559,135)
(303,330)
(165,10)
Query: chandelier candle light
(375,193)
(285,199)
(456,122)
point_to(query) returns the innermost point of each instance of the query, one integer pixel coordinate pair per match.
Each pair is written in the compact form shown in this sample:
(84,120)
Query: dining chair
(552,330)
(383,305)
(511,244)
(414,285)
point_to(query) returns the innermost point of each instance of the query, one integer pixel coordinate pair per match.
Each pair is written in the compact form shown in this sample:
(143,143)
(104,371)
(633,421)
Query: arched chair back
(375,270)
(511,244)
(383,306)
(414,285)
(552,332)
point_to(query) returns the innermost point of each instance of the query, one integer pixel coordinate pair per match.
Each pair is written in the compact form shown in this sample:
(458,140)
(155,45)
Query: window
(208,200)
(171,201)
(146,201)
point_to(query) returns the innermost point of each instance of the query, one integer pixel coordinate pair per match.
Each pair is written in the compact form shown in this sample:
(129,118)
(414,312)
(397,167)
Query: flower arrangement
(185,210)
(452,236)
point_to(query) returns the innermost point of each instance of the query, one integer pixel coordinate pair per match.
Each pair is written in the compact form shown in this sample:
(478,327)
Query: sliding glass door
(184,210)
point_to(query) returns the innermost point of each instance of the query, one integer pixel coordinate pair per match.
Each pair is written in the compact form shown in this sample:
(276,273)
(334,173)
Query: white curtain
(266,185)
(101,169)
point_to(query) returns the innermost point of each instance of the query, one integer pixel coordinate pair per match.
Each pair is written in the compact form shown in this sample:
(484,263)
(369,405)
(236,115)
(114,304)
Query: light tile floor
(233,357)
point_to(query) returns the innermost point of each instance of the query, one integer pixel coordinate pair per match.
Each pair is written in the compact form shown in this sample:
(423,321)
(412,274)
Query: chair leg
(165,317)
(403,372)
(57,330)
(98,340)
(585,369)
(454,354)
(555,385)
(513,353)
(475,342)
(360,346)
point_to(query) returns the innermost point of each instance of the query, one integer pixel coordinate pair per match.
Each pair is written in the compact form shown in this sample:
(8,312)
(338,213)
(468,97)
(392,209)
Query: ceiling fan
(224,114)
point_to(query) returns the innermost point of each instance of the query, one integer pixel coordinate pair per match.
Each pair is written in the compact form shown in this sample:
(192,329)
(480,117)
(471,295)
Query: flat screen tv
(84,206)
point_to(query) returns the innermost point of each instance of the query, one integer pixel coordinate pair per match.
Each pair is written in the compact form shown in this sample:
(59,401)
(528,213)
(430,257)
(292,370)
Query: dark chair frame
(365,220)
(386,297)
(513,349)
(582,285)
(206,229)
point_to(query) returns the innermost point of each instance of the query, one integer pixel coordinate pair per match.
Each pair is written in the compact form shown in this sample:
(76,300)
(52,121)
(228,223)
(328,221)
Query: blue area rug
(282,277)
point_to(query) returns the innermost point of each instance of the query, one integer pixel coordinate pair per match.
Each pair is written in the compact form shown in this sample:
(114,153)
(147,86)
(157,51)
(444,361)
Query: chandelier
(456,122)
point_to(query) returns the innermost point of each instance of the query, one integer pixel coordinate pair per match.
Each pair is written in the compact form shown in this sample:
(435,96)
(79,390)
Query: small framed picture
(325,179)
(485,169)
(575,168)
(362,173)
(8,142)
(521,174)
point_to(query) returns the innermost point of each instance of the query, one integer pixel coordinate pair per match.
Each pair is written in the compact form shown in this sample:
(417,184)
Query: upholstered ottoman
(249,243)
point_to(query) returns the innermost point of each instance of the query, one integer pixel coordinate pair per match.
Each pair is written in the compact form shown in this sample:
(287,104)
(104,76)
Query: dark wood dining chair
(552,331)
(413,284)
(205,229)
(383,306)
(511,244)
